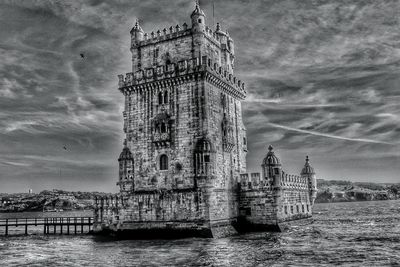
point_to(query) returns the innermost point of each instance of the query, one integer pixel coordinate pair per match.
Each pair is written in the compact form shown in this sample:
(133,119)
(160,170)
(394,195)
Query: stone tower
(183,117)
(182,170)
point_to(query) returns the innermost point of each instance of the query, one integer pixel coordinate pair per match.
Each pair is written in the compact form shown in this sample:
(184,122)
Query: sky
(322,79)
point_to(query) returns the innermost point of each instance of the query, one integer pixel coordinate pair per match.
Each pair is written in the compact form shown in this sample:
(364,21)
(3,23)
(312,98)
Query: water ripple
(351,234)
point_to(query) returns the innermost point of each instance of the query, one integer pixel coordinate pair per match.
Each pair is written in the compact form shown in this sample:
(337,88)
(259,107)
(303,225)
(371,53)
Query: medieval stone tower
(183,165)
(182,117)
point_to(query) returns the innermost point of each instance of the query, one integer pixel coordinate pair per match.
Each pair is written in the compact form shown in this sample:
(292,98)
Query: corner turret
(198,19)
(126,170)
(136,34)
(309,173)
(272,168)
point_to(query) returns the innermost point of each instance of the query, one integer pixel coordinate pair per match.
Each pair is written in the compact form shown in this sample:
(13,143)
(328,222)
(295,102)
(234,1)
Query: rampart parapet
(219,75)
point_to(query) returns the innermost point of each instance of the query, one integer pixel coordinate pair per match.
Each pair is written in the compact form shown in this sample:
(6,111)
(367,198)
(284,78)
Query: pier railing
(51,225)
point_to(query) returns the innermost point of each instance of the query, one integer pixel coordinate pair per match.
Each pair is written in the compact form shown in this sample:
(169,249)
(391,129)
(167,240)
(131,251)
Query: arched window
(163,128)
(160,98)
(165,97)
(163,162)
(168,58)
(203,157)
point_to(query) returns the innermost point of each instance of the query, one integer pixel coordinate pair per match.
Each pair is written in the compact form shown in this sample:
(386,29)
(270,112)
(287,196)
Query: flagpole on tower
(213,13)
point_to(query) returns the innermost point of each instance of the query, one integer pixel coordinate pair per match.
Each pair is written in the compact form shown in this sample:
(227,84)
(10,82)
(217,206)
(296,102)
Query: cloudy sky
(323,79)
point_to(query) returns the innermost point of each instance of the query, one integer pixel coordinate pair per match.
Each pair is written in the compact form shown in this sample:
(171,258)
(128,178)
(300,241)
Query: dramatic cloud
(322,79)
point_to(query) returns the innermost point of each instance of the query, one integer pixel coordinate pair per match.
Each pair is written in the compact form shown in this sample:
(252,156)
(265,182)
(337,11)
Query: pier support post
(54,225)
(6,226)
(75,224)
(26,226)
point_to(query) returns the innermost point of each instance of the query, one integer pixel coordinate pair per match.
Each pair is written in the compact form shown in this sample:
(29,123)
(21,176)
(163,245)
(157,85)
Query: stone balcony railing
(228,143)
(183,67)
(288,181)
(161,139)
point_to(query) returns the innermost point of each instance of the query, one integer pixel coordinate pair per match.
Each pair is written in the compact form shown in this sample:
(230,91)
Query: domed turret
(272,169)
(125,154)
(221,35)
(309,173)
(198,19)
(271,159)
(136,34)
(307,169)
(126,167)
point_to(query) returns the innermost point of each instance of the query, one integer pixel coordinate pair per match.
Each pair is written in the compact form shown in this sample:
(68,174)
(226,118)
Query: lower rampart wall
(294,204)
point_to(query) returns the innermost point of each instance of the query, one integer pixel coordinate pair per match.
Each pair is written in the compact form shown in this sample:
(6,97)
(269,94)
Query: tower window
(244,141)
(163,162)
(199,20)
(165,97)
(160,98)
(163,128)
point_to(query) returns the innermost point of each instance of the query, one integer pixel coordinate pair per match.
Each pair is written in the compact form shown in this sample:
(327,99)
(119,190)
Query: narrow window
(160,98)
(302,208)
(199,20)
(276,170)
(297,209)
(244,141)
(168,58)
(291,209)
(163,162)
(163,128)
(285,209)
(165,97)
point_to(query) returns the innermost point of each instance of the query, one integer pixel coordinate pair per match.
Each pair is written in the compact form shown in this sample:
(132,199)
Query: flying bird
(65,148)
(82,55)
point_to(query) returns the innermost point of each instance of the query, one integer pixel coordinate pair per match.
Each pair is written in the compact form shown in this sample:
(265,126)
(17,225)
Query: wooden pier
(52,225)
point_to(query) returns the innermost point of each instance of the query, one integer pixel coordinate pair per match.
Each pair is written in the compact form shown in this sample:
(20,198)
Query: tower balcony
(161,139)
(228,143)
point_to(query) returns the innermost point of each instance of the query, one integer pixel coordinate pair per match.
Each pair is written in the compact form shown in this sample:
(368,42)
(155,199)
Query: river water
(349,234)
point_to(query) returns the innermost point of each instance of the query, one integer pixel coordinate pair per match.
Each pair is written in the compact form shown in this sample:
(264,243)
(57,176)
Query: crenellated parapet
(290,181)
(164,35)
(109,202)
(178,31)
(253,181)
(179,72)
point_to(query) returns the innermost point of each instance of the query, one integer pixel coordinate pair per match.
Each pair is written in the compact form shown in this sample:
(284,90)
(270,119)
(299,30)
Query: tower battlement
(163,35)
(173,32)
(217,74)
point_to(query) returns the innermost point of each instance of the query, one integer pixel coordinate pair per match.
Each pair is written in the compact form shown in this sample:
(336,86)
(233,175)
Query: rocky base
(180,230)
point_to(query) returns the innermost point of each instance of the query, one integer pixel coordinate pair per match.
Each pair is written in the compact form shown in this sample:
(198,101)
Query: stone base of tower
(153,230)
(245,226)
(167,230)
